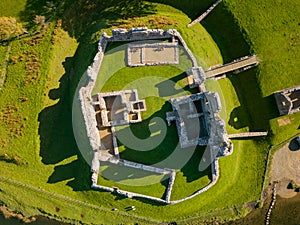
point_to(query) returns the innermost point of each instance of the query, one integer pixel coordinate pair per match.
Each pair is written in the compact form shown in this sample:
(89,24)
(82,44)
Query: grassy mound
(37,146)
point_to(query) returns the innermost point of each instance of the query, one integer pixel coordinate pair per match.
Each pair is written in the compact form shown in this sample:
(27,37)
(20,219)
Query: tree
(39,20)
(9,28)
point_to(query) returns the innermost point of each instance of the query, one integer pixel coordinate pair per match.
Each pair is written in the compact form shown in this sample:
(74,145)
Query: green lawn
(37,145)
(12,8)
(272,29)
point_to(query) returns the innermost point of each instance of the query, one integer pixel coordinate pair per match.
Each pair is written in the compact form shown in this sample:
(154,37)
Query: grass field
(12,8)
(272,30)
(37,146)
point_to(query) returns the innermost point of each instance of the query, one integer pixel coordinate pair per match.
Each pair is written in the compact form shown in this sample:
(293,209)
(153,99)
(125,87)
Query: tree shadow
(83,15)
(294,145)
(57,141)
(41,8)
(33,8)
(56,134)
(192,9)
(64,172)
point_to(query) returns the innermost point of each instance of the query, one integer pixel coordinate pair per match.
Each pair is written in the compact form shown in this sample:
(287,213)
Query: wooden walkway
(239,64)
(248,134)
(202,16)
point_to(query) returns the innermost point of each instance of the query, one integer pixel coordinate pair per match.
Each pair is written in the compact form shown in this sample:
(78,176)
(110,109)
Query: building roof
(288,100)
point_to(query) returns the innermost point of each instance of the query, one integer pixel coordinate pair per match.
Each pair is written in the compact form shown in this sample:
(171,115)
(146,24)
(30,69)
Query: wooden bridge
(202,16)
(247,134)
(237,65)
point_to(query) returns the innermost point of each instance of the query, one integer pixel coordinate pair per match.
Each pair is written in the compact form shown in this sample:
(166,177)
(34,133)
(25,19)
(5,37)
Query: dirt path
(285,212)
(286,167)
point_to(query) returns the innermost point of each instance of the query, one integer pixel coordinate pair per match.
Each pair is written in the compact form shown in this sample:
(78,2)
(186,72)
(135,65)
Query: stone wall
(143,167)
(91,123)
(186,48)
(215,169)
(86,103)
(138,34)
(164,57)
(170,186)
(115,143)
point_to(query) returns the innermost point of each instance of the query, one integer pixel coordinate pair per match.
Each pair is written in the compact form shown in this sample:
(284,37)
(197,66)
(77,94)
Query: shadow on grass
(193,8)
(33,8)
(141,130)
(294,145)
(227,34)
(57,141)
(165,148)
(83,14)
(48,9)
(84,17)
(191,169)
(56,135)
(255,111)
(76,172)
(167,87)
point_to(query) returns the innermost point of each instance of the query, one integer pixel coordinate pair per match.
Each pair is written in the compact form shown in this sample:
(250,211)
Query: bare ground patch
(283,121)
(286,167)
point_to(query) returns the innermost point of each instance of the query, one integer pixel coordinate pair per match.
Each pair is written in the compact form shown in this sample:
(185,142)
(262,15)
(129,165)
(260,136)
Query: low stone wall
(186,48)
(143,167)
(102,188)
(271,204)
(89,119)
(170,186)
(115,143)
(163,54)
(215,169)
(138,34)
(215,165)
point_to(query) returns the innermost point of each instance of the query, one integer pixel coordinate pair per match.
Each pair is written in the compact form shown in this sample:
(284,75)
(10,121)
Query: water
(40,221)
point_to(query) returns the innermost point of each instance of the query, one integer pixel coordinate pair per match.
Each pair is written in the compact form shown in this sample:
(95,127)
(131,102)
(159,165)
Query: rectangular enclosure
(152,54)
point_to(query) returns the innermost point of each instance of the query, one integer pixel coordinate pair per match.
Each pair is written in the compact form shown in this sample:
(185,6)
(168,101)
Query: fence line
(4,67)
(17,183)
(268,164)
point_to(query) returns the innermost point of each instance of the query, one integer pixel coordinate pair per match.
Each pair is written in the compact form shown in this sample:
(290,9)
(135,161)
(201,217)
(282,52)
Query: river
(40,221)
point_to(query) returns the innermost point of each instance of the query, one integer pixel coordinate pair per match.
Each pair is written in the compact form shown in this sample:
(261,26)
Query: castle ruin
(102,112)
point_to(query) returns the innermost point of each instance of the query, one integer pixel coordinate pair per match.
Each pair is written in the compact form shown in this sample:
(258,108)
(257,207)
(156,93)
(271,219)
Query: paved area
(286,167)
